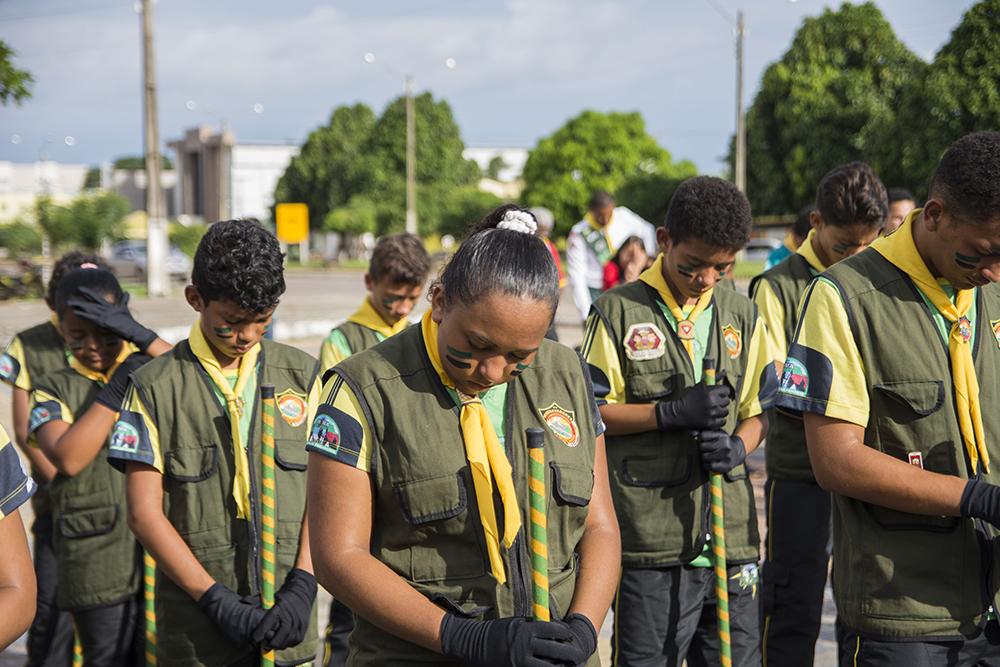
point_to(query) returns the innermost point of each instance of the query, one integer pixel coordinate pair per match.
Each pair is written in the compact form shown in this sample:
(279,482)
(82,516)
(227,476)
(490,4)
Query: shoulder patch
(124,437)
(806,377)
(10,368)
(562,423)
(644,341)
(43,413)
(733,339)
(292,406)
(336,434)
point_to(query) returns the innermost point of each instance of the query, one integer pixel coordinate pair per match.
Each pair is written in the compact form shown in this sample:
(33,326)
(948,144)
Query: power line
(720,10)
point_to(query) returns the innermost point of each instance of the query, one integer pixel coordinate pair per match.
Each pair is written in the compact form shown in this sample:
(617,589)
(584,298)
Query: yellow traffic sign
(292,222)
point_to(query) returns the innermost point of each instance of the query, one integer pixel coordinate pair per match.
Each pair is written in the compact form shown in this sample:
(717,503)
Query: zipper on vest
(521,605)
(252,521)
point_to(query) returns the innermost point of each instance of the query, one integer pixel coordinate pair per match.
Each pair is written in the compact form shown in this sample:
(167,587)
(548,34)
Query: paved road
(315,300)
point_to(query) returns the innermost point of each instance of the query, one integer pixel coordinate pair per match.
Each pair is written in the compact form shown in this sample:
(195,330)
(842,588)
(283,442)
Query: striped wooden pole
(77,649)
(719,547)
(539,529)
(268,496)
(149,602)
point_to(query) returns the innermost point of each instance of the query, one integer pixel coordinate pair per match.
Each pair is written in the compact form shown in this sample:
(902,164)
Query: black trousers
(111,635)
(795,571)
(663,617)
(50,638)
(338,629)
(983,650)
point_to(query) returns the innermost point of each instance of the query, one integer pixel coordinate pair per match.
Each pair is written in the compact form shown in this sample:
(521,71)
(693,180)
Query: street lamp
(411,152)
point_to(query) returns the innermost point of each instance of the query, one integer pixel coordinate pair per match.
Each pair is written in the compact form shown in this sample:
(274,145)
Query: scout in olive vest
(17,604)
(667,430)
(395,280)
(896,369)
(73,411)
(189,438)
(851,207)
(418,490)
(31,354)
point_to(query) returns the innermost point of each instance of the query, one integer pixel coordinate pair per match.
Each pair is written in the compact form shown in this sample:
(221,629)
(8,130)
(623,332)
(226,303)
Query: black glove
(584,636)
(113,395)
(114,317)
(981,500)
(703,407)
(285,624)
(509,642)
(720,452)
(235,615)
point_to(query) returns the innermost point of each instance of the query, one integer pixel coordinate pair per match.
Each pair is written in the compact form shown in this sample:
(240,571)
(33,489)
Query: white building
(21,183)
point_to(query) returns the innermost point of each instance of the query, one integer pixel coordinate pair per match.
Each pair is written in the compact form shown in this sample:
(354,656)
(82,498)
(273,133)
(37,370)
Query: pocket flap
(656,470)
(192,464)
(573,485)
(653,386)
(922,396)
(468,609)
(433,499)
(291,454)
(87,523)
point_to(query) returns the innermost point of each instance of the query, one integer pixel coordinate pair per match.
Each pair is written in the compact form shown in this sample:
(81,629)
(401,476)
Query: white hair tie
(518,221)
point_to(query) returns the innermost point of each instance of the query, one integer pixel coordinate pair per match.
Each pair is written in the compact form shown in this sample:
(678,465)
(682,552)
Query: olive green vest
(44,352)
(659,487)
(785,452)
(427,527)
(900,575)
(97,559)
(198,500)
(358,337)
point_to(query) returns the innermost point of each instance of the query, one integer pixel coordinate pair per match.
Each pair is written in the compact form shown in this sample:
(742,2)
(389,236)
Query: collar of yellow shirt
(368,317)
(98,376)
(653,276)
(808,252)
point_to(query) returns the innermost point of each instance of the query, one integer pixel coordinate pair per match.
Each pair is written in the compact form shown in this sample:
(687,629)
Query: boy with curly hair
(189,439)
(646,345)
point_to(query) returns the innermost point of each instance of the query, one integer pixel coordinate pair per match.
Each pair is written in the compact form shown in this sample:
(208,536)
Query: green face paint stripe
(74,344)
(521,367)
(458,353)
(967,261)
(223,331)
(685,270)
(456,363)
(840,248)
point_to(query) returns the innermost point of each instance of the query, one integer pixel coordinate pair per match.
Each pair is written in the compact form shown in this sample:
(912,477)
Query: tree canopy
(15,83)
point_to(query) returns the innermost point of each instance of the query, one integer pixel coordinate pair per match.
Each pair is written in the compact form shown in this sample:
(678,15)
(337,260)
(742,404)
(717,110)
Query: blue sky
(523,66)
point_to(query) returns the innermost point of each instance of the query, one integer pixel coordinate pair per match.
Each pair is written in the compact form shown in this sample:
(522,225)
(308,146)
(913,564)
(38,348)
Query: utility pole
(156,238)
(411,160)
(740,152)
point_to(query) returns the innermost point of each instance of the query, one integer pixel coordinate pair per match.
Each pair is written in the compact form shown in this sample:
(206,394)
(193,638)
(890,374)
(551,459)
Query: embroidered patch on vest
(125,437)
(644,341)
(562,423)
(9,368)
(996,330)
(325,433)
(733,339)
(795,377)
(292,406)
(916,459)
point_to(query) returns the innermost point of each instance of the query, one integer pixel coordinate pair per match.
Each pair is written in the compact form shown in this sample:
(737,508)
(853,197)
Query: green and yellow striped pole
(719,546)
(149,603)
(268,496)
(77,649)
(539,529)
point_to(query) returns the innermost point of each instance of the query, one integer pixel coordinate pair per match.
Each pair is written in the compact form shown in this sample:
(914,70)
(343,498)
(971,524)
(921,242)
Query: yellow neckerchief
(900,249)
(485,454)
(809,253)
(653,276)
(234,406)
(368,317)
(98,376)
(589,217)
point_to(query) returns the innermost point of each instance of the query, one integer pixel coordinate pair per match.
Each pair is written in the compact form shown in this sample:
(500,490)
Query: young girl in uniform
(418,475)
(73,411)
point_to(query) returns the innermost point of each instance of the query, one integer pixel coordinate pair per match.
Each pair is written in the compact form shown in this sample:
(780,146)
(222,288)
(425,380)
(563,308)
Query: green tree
(355,217)
(186,238)
(649,194)
(831,99)
(495,166)
(958,94)
(20,238)
(465,206)
(593,151)
(15,84)
(86,221)
(138,162)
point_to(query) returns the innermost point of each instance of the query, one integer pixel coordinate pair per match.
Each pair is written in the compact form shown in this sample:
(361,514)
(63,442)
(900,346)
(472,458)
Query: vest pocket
(192,464)
(654,471)
(432,499)
(195,504)
(572,488)
(88,523)
(290,480)
(573,485)
(652,386)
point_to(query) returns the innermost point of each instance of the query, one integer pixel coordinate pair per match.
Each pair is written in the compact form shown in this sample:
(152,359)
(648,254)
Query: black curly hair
(852,194)
(968,177)
(504,261)
(73,259)
(239,261)
(712,210)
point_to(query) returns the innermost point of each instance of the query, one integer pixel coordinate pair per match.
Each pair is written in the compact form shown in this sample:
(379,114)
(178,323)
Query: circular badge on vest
(325,433)
(292,406)
(562,423)
(733,339)
(795,377)
(644,341)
